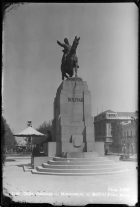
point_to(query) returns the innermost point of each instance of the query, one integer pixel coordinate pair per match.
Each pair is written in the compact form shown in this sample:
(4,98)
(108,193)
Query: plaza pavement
(24,186)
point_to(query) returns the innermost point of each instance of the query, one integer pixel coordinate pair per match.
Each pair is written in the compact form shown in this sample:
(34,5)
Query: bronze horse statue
(69,63)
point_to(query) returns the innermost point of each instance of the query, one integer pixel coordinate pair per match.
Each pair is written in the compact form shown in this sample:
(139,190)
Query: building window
(111,115)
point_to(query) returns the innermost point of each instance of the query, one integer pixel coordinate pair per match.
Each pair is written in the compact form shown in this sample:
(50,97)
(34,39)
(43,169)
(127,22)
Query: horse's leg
(71,72)
(62,76)
(76,72)
(75,65)
(66,75)
(63,72)
(76,62)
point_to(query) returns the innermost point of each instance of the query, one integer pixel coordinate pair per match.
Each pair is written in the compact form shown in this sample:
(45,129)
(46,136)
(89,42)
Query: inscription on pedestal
(75,99)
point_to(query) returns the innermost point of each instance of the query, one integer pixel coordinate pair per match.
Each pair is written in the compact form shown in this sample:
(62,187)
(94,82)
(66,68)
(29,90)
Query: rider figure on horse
(69,61)
(66,50)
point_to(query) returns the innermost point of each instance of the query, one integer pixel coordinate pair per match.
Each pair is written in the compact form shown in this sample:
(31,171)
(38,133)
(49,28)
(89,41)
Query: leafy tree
(46,128)
(8,140)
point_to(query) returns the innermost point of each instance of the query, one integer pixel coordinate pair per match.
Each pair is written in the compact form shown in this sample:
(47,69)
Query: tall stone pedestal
(73,123)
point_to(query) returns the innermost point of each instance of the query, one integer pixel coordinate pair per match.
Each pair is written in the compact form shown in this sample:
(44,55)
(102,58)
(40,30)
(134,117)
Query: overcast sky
(107,53)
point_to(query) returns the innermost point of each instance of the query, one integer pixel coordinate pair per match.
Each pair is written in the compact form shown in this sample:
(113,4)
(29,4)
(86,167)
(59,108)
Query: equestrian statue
(69,63)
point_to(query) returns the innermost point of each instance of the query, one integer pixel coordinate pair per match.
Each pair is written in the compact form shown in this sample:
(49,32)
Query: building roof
(109,111)
(29,131)
(118,115)
(130,114)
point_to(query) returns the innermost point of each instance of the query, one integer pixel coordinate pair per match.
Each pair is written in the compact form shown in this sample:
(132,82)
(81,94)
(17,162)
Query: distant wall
(51,149)
(99,147)
(45,148)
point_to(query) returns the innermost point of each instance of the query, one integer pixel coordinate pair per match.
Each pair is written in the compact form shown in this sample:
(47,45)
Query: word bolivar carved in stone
(75,99)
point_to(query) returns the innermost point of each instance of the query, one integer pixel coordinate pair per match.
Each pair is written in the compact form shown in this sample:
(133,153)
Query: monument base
(73,125)
(56,149)
(81,154)
(99,151)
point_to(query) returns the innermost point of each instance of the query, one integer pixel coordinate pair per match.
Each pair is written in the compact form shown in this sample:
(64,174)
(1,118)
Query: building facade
(129,137)
(108,127)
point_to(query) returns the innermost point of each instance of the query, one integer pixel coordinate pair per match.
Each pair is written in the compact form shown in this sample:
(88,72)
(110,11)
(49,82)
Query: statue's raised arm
(61,44)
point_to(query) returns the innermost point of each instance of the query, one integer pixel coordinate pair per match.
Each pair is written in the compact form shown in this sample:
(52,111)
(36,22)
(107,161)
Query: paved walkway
(69,190)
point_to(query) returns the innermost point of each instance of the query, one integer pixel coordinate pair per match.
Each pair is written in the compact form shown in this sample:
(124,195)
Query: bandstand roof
(29,131)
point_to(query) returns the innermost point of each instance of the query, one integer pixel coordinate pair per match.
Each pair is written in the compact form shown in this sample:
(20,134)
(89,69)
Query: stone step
(64,170)
(94,166)
(79,162)
(80,173)
(79,159)
(80,166)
